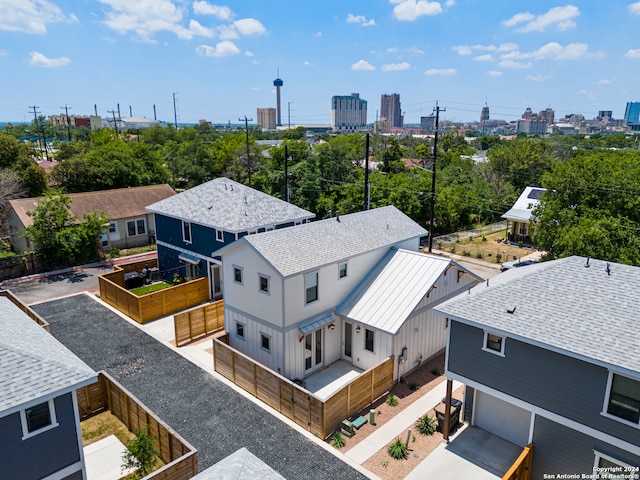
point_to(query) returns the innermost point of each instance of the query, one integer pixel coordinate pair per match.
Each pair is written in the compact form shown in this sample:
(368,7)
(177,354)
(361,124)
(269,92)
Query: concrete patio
(329,380)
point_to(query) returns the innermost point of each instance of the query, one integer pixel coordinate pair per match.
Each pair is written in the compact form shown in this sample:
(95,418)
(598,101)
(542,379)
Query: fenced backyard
(198,322)
(320,417)
(151,306)
(180,458)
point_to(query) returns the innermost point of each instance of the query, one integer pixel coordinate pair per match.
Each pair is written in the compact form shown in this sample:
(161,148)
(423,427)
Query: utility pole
(246,130)
(433,177)
(289,114)
(40,129)
(66,111)
(175,114)
(366,176)
(115,122)
(130,111)
(286,174)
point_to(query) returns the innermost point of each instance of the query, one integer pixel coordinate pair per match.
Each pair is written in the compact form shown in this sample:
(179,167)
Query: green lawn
(154,287)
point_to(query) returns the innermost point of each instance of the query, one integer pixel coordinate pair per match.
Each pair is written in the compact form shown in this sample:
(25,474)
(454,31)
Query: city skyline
(221,60)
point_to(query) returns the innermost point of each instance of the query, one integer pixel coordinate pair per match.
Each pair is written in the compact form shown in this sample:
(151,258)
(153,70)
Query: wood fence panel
(336,409)
(245,373)
(268,388)
(286,399)
(316,411)
(382,378)
(521,468)
(360,392)
(182,468)
(223,359)
(214,316)
(301,408)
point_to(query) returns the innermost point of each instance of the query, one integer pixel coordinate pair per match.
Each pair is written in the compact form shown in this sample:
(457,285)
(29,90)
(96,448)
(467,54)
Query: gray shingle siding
(564,385)
(42,454)
(558,449)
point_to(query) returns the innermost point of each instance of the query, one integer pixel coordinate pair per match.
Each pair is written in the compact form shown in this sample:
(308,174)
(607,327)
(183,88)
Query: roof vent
(338,215)
(608,269)
(511,310)
(586,265)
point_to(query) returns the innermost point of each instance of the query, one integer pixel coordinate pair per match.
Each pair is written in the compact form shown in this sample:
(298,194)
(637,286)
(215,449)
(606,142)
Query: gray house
(550,355)
(39,421)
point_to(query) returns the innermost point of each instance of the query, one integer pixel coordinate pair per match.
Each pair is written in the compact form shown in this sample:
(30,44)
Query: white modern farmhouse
(352,288)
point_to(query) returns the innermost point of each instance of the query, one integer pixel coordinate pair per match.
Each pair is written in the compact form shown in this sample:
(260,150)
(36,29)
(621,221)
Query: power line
(246,129)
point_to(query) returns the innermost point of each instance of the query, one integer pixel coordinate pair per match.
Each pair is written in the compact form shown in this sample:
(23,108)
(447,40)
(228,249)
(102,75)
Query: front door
(348,339)
(216,282)
(313,351)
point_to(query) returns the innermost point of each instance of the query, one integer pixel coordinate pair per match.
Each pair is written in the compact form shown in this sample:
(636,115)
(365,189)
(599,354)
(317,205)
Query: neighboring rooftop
(240,465)
(305,247)
(117,203)
(33,364)
(394,288)
(563,305)
(526,202)
(230,206)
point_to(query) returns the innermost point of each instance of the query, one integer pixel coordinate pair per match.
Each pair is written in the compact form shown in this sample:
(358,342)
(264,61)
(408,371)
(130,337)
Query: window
(493,343)
(607,467)
(264,283)
(38,419)
(240,329)
(237,275)
(265,342)
(342,270)
(220,235)
(113,227)
(368,339)
(311,287)
(186,231)
(623,400)
(136,227)
(192,271)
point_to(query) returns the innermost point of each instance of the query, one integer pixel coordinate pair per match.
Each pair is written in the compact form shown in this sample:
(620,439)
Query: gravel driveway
(211,416)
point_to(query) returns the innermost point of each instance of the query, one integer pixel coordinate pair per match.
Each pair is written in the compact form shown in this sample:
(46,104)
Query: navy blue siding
(203,239)
(558,449)
(569,387)
(42,454)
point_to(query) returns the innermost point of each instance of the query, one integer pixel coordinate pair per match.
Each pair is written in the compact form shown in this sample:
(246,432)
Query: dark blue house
(550,355)
(39,420)
(193,225)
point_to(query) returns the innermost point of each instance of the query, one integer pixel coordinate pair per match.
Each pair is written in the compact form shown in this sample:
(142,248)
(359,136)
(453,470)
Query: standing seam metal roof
(521,210)
(563,305)
(33,364)
(312,245)
(230,206)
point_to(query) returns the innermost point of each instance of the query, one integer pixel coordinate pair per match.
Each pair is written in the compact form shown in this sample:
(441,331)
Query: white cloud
(205,8)
(468,49)
(394,67)
(559,17)
(222,49)
(440,71)
(306,63)
(415,51)
(30,16)
(249,26)
(603,81)
(494,73)
(362,66)
(227,32)
(633,53)
(553,51)
(634,8)
(248,53)
(410,10)
(513,64)
(37,59)
(256,89)
(318,34)
(198,29)
(392,50)
(449,3)
(462,49)
(537,78)
(361,20)
(484,58)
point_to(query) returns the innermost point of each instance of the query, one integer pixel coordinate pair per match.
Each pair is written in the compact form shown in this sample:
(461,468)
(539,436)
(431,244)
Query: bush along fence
(180,458)
(318,416)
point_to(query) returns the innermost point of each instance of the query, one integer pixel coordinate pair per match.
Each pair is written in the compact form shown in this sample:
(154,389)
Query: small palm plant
(426,425)
(398,450)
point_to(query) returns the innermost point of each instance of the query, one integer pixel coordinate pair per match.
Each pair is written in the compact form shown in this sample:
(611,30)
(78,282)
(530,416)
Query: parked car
(510,265)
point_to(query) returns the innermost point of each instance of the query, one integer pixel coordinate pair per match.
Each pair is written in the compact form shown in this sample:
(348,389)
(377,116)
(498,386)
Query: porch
(326,382)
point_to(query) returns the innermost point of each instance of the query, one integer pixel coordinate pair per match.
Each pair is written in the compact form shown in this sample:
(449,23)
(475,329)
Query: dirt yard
(490,247)
(381,463)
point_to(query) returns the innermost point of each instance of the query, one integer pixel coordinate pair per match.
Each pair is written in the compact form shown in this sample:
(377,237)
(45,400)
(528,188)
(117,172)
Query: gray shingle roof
(230,206)
(33,364)
(564,306)
(305,247)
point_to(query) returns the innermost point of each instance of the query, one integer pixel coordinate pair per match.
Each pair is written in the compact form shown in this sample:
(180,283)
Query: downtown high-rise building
(390,110)
(266,118)
(348,112)
(632,113)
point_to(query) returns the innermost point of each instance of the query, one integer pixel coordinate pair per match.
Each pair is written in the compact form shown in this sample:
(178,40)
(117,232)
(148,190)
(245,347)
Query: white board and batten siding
(424,335)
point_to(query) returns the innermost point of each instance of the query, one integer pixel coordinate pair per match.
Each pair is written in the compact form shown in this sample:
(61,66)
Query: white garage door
(502,418)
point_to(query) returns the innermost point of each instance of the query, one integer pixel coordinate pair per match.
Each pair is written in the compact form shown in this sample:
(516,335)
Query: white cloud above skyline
(411,10)
(360,20)
(30,16)
(362,66)
(38,59)
(205,8)
(225,48)
(395,67)
(441,71)
(562,18)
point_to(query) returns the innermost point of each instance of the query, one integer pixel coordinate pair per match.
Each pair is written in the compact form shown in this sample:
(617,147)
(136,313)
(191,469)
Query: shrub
(436,371)
(453,249)
(478,254)
(484,237)
(499,258)
(413,386)
(392,400)
(466,254)
(426,425)
(141,453)
(338,440)
(398,450)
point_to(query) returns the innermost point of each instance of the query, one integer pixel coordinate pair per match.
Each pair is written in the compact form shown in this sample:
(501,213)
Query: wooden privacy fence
(30,313)
(521,469)
(320,417)
(180,458)
(153,305)
(198,321)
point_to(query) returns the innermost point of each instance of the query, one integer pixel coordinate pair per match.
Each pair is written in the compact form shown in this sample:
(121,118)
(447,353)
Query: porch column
(447,412)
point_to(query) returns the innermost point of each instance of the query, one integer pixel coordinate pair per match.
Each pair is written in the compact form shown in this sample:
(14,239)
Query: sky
(219,60)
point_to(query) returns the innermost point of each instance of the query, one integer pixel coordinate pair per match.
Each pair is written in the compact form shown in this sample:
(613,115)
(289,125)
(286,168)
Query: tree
(58,237)
(10,187)
(141,453)
(592,207)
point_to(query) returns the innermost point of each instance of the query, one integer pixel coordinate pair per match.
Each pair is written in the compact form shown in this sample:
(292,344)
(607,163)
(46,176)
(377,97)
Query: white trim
(503,340)
(220,235)
(605,406)
(135,223)
(626,472)
(554,417)
(180,250)
(346,270)
(76,416)
(262,334)
(190,241)
(268,279)
(52,416)
(66,471)
(241,270)
(244,333)
(532,427)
